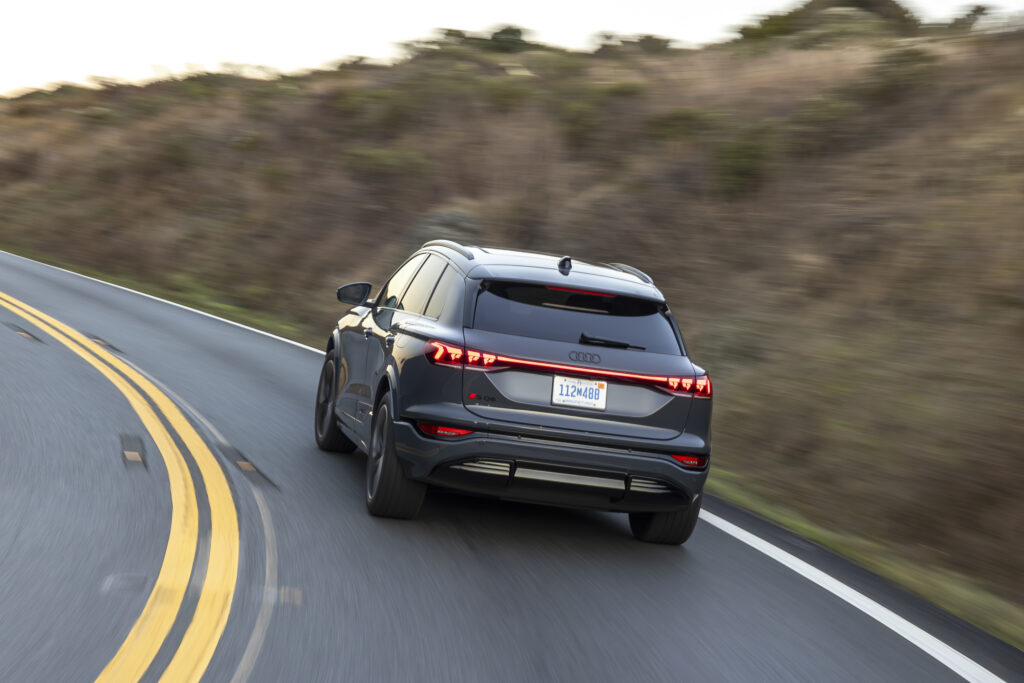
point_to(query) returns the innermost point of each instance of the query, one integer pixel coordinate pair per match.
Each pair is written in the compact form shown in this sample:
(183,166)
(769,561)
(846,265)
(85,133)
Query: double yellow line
(147,635)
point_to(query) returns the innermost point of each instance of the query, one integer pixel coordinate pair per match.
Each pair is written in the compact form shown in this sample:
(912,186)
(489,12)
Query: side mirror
(355,293)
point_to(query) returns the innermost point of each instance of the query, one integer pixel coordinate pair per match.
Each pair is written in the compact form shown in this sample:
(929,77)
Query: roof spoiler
(632,271)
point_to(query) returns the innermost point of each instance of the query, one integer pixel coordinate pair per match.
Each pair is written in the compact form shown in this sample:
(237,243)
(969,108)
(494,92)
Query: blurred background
(830,196)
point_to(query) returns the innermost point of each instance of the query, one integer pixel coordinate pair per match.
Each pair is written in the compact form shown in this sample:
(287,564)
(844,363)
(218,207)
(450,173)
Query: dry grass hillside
(836,217)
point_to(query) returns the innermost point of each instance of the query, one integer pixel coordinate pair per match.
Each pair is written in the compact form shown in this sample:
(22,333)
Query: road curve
(319,591)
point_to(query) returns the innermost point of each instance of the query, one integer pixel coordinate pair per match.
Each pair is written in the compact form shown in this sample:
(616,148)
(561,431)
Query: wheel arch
(386,385)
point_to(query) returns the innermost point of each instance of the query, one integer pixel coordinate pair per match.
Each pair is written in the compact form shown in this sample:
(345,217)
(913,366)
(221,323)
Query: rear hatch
(575,361)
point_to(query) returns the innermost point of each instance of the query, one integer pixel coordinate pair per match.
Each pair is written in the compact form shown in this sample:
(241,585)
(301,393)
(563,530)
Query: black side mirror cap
(355,293)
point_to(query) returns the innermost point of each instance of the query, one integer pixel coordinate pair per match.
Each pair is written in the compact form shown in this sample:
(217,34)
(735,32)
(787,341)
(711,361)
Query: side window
(393,290)
(449,280)
(421,287)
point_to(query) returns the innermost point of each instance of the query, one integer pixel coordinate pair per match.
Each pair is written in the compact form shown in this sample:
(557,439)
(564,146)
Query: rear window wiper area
(611,343)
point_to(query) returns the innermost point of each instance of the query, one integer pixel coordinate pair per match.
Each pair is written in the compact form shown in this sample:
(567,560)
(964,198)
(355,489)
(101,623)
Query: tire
(668,528)
(388,492)
(329,436)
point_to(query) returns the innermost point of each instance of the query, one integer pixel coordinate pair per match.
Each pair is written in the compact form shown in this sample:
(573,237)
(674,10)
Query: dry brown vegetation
(840,231)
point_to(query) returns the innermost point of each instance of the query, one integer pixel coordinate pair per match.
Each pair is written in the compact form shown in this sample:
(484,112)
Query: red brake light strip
(579,291)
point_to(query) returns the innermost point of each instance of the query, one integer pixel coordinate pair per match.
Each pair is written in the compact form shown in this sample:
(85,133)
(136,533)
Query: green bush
(897,73)
(580,119)
(653,45)
(506,93)
(820,124)
(556,65)
(97,114)
(625,89)
(683,122)
(508,39)
(742,165)
(177,155)
(146,105)
(386,163)
(770,26)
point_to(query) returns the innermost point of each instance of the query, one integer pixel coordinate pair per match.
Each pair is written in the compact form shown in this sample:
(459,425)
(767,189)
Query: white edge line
(169,303)
(952,659)
(946,655)
(259,630)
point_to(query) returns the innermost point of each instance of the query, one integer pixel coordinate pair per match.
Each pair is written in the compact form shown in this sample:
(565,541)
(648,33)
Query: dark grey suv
(522,376)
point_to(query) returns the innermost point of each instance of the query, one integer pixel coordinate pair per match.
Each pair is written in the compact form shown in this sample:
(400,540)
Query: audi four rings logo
(584,357)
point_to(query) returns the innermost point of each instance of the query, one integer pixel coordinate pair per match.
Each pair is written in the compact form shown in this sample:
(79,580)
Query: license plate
(579,393)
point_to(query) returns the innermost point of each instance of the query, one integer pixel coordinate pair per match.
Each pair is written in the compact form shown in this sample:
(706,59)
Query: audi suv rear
(522,376)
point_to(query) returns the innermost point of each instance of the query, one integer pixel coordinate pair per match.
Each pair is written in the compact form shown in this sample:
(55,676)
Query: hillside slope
(840,231)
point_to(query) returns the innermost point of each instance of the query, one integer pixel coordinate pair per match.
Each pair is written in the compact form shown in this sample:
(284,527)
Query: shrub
(897,73)
(625,89)
(653,45)
(679,123)
(386,163)
(820,124)
(556,65)
(505,94)
(580,119)
(98,114)
(176,155)
(741,165)
(508,39)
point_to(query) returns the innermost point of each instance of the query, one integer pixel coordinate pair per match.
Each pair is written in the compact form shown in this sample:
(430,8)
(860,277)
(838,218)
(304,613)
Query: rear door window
(422,286)
(568,315)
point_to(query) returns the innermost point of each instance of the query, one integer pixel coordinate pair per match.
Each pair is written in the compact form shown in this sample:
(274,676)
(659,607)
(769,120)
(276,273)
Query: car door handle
(367,332)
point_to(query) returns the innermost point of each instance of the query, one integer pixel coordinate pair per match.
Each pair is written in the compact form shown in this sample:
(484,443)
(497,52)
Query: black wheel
(329,436)
(388,492)
(669,528)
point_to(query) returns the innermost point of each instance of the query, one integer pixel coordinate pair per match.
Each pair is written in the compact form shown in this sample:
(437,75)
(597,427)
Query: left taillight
(443,431)
(445,354)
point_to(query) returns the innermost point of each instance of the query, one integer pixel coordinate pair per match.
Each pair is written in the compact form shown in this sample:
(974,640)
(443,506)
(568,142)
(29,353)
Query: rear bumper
(549,472)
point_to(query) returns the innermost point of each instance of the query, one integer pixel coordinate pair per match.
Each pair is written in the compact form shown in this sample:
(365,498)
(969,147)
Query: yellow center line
(161,608)
(203,633)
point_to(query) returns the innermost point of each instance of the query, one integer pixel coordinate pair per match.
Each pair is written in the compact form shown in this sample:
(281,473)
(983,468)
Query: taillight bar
(443,353)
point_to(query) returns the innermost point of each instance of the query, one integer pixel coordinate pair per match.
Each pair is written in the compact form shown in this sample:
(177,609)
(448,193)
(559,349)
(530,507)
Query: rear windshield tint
(562,314)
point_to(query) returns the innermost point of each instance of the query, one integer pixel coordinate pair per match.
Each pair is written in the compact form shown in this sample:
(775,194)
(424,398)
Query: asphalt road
(276,572)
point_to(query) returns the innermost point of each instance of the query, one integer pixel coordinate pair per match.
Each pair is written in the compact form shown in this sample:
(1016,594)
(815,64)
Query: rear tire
(668,528)
(389,493)
(329,436)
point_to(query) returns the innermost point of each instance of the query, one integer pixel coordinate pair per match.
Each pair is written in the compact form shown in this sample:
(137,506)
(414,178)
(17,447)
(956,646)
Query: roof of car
(488,263)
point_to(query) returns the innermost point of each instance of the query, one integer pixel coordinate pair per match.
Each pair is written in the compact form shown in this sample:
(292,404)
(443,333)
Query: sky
(51,41)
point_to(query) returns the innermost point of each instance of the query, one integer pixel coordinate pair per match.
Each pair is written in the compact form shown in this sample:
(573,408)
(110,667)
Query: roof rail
(633,271)
(454,246)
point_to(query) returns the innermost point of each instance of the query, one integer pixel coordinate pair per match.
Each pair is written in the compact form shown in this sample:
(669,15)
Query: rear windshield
(567,315)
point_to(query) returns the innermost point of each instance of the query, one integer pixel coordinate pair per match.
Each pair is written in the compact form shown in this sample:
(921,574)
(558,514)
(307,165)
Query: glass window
(421,287)
(393,290)
(445,286)
(568,315)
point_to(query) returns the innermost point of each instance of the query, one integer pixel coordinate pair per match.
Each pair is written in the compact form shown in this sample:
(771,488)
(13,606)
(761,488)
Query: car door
(391,326)
(365,373)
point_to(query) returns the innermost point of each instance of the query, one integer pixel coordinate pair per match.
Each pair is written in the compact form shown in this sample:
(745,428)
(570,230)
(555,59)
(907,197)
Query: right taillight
(695,461)
(698,387)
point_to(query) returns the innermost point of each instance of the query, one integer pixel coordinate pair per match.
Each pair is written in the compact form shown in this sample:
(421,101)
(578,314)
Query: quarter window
(421,287)
(442,292)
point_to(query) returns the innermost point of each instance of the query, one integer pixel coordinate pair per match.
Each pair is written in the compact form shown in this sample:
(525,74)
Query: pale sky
(50,41)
